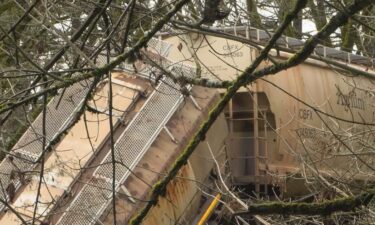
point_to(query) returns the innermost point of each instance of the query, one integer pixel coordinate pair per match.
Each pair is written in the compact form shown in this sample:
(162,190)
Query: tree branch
(102,70)
(161,187)
(346,204)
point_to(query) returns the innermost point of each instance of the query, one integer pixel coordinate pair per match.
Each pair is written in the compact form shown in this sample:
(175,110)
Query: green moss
(248,76)
(324,208)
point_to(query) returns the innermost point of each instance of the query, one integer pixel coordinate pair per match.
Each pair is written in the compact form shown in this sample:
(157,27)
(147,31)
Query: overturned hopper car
(314,118)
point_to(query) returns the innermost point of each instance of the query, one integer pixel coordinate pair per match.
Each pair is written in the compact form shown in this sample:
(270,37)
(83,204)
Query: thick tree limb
(56,57)
(244,40)
(245,78)
(161,187)
(323,208)
(338,20)
(102,70)
(26,13)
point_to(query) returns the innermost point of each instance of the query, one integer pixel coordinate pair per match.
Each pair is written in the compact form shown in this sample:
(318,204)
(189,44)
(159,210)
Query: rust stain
(179,194)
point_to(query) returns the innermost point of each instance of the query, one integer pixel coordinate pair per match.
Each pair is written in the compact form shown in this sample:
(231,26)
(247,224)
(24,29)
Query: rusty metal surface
(181,196)
(293,95)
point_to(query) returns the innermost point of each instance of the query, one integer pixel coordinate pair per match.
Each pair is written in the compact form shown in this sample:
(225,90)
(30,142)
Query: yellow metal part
(210,209)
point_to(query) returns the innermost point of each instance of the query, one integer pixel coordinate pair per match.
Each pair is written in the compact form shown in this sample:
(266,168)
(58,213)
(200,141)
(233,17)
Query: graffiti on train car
(350,100)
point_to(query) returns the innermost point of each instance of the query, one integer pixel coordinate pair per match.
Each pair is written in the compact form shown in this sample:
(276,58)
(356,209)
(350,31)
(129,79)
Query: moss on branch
(323,208)
(248,76)
(160,188)
(102,70)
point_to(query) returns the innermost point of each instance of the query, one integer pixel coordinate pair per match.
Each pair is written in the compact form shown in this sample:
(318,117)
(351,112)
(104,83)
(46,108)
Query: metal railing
(29,148)
(262,37)
(129,150)
(131,146)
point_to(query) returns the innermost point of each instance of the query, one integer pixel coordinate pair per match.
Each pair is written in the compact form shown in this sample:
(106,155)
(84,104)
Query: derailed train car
(152,123)
(312,119)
